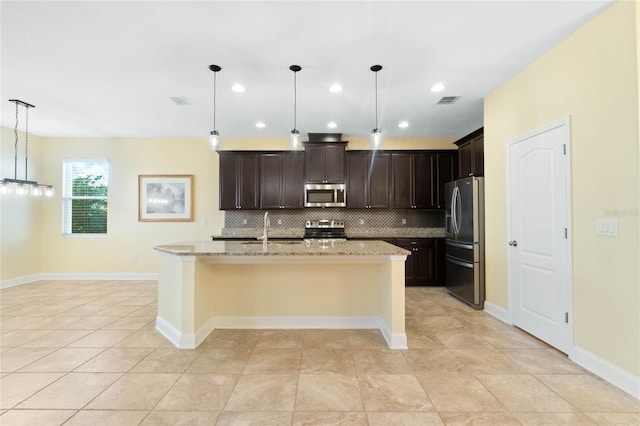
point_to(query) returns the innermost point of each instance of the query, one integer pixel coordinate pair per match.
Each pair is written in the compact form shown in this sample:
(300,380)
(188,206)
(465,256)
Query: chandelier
(23,186)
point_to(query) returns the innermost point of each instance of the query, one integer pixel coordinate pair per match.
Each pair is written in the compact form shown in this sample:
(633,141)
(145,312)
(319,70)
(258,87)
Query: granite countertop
(355,232)
(283,248)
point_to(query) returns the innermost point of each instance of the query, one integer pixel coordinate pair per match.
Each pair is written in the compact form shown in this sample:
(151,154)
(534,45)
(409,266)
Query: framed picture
(165,198)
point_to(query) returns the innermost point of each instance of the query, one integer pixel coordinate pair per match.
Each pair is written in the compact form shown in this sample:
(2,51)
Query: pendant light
(23,186)
(294,138)
(214,135)
(376,133)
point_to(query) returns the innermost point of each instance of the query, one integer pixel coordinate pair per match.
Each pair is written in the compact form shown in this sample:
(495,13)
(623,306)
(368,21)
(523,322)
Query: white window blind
(85,186)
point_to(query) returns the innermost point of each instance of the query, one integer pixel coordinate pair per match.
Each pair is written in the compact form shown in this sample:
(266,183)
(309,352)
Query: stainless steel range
(324,229)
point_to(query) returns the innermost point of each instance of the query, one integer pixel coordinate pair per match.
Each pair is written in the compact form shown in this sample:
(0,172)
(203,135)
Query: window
(85,184)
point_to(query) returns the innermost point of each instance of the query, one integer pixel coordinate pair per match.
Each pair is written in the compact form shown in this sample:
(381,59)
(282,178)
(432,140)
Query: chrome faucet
(267,224)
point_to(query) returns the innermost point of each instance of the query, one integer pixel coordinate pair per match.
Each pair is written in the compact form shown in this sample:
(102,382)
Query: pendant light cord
(376,99)
(295,99)
(26,142)
(214,101)
(15,147)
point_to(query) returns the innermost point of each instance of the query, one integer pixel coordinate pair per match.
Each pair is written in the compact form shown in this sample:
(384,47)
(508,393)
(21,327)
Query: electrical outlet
(279,221)
(404,221)
(244,221)
(361,221)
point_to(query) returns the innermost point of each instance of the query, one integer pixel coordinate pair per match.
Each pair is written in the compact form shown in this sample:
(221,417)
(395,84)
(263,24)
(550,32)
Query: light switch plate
(607,227)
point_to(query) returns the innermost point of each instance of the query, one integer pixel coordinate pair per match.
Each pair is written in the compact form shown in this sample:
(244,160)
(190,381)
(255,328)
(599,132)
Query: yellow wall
(592,76)
(128,245)
(20,217)
(31,230)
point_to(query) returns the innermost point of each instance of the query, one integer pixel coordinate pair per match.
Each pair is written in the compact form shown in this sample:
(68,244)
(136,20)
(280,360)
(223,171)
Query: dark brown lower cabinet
(425,266)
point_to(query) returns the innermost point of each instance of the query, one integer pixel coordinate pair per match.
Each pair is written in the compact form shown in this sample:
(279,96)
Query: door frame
(566,122)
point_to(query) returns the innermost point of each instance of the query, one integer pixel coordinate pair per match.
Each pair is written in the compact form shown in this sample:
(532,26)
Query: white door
(539,249)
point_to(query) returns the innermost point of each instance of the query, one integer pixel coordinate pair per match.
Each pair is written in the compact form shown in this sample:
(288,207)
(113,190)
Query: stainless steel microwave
(325,195)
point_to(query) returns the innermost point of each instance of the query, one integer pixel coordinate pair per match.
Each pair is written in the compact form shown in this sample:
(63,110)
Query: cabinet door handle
(513,243)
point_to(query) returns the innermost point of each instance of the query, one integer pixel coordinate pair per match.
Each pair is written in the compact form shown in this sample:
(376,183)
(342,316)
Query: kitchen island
(205,285)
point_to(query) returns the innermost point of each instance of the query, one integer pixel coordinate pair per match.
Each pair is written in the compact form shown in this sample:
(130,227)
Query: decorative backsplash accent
(361,218)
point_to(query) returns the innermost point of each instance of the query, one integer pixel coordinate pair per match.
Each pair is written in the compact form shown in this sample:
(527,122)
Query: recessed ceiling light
(238,88)
(438,87)
(403,124)
(332,125)
(335,88)
(260,125)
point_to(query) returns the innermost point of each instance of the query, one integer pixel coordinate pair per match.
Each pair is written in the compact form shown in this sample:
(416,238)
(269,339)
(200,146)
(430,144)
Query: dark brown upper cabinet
(411,180)
(368,179)
(324,162)
(418,178)
(471,154)
(446,162)
(282,180)
(238,181)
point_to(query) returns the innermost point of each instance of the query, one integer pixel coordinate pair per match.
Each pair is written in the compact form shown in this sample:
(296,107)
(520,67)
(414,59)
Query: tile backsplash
(364,218)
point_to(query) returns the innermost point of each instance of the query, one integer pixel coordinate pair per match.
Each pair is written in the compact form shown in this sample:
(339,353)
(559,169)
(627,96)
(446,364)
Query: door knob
(513,243)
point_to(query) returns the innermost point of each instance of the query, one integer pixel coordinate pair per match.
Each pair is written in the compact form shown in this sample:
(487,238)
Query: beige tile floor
(86,353)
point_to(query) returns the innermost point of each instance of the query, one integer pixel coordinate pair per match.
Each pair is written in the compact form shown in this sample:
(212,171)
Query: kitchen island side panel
(347,285)
(293,290)
(176,290)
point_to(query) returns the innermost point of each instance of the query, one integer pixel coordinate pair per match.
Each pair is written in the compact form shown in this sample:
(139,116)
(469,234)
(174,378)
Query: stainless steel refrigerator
(464,247)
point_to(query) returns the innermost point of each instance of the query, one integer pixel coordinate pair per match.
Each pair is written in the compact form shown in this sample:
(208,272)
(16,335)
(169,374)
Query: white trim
(606,370)
(77,276)
(102,276)
(191,341)
(295,322)
(497,312)
(394,340)
(566,122)
(204,331)
(12,282)
(181,341)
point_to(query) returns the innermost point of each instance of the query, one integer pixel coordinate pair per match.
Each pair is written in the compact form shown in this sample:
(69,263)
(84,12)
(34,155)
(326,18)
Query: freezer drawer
(467,252)
(464,281)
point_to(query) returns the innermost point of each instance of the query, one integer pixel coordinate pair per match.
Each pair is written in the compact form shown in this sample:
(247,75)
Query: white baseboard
(297,322)
(101,276)
(96,276)
(204,331)
(606,370)
(497,311)
(19,281)
(394,340)
(181,341)
(190,341)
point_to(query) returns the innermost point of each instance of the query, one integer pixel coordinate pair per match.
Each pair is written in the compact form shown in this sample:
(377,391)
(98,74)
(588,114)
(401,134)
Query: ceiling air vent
(447,100)
(180,100)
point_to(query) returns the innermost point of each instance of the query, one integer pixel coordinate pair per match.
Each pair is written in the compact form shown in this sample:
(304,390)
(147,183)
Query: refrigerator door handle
(453,210)
(454,200)
(458,209)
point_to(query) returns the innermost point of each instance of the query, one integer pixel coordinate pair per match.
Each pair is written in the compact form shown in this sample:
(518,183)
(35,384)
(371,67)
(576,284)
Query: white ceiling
(109,69)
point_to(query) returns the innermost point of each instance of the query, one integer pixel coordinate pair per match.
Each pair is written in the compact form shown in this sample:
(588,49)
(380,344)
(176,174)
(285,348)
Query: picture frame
(165,198)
